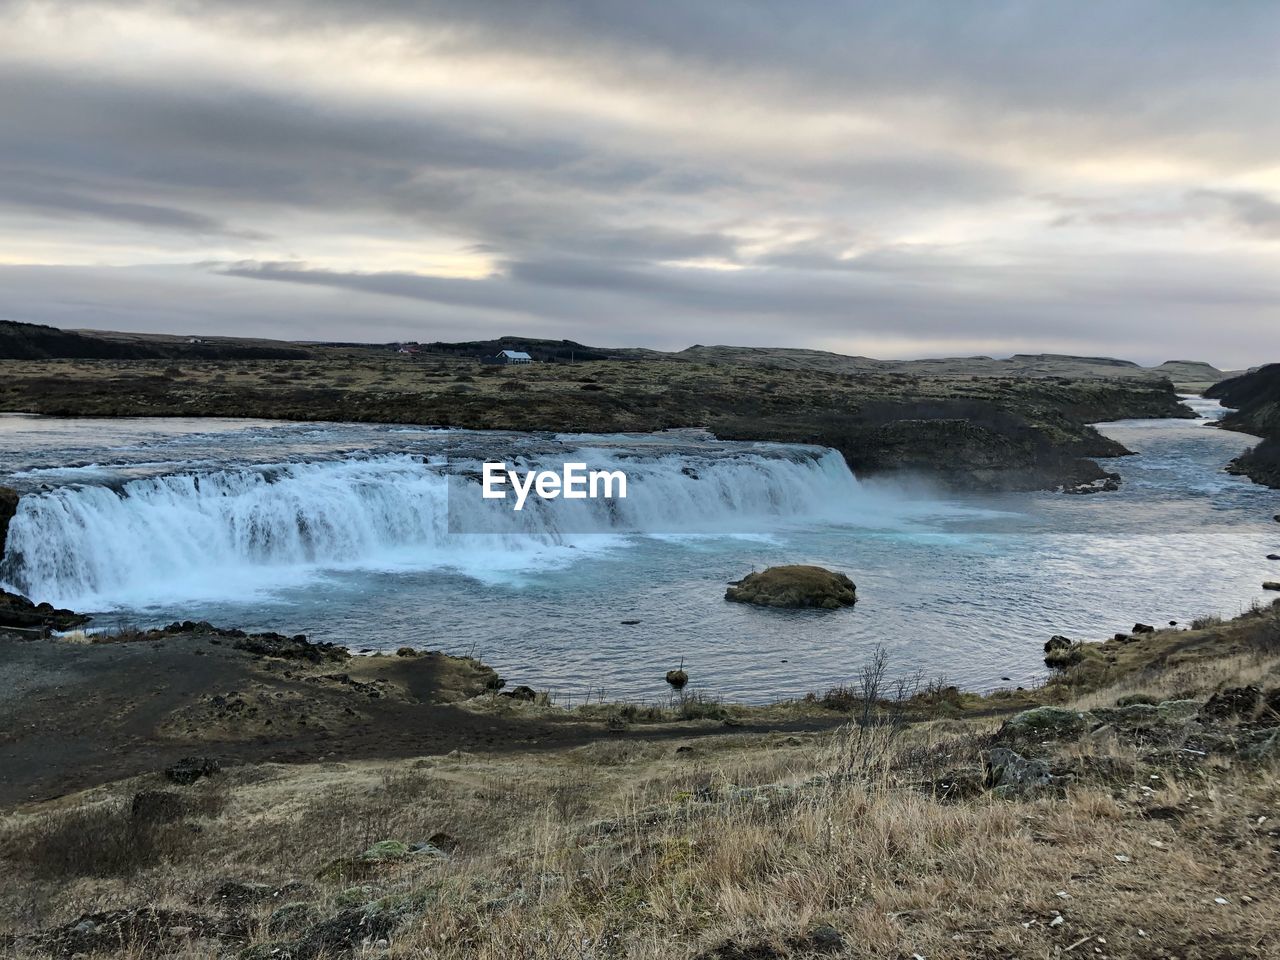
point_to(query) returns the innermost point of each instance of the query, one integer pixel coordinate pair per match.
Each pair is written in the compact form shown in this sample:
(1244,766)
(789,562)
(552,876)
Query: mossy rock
(794,586)
(385,850)
(355,896)
(1044,723)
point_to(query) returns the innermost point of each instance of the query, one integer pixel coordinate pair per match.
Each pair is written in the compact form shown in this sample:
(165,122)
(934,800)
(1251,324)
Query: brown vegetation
(1080,830)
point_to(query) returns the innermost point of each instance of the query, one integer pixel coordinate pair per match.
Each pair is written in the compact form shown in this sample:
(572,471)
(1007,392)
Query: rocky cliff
(1256,399)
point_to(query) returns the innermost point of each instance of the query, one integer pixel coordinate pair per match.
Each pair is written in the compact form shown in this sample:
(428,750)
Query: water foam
(242,533)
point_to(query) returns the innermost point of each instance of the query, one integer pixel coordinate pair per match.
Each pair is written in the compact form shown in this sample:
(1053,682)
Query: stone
(190,769)
(1043,724)
(523,693)
(427,850)
(1057,642)
(825,938)
(20,613)
(677,678)
(1143,628)
(1271,585)
(1007,769)
(1267,749)
(794,586)
(1232,702)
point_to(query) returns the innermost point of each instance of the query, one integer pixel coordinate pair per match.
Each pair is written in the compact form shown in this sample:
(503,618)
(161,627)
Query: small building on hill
(510,356)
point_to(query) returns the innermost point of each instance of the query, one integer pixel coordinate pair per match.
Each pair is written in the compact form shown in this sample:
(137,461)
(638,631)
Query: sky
(894,180)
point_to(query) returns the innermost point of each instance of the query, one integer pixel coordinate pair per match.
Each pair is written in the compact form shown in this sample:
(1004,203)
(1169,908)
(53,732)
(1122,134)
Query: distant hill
(1190,375)
(33,341)
(29,341)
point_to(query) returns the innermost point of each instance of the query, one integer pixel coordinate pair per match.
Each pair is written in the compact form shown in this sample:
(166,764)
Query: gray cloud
(1247,208)
(919,174)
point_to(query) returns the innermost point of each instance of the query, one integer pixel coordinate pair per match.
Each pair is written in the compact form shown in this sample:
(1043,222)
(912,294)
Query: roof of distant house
(516,355)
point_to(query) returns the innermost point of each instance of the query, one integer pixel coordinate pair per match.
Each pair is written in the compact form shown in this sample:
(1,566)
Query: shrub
(99,841)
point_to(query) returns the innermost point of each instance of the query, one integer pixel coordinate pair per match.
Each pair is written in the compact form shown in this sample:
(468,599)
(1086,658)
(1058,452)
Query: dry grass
(735,846)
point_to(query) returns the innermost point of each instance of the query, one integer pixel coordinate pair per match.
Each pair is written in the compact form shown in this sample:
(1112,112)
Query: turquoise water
(353,533)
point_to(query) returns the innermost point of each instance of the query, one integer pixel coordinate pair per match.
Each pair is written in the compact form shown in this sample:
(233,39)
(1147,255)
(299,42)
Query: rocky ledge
(20,614)
(794,586)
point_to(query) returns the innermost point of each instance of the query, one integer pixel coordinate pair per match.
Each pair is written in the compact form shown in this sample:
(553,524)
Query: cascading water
(366,535)
(224,533)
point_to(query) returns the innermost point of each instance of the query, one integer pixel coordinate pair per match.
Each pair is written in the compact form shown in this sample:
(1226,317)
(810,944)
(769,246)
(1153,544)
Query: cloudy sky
(889,179)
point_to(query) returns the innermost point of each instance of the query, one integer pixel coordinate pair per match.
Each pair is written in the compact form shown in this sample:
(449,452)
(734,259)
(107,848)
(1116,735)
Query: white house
(513,356)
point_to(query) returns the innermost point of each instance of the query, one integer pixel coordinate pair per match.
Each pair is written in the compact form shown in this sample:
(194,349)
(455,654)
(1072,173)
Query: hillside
(1256,397)
(1124,810)
(31,341)
(1189,376)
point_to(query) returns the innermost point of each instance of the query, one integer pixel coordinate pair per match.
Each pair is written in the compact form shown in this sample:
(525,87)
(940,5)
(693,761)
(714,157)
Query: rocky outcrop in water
(794,586)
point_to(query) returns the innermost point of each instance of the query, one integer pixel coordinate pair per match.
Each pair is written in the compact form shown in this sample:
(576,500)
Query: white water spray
(235,533)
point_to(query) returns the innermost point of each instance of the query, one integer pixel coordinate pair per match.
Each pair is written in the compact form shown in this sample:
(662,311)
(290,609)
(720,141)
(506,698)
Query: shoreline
(220,692)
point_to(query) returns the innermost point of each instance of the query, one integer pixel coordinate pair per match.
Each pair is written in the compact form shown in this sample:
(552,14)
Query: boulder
(1057,642)
(1011,774)
(1232,702)
(526,694)
(1143,628)
(1265,750)
(1042,724)
(677,678)
(1273,556)
(1271,585)
(190,769)
(19,612)
(825,938)
(794,586)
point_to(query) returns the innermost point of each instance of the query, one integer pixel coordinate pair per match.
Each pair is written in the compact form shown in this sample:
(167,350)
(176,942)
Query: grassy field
(1133,815)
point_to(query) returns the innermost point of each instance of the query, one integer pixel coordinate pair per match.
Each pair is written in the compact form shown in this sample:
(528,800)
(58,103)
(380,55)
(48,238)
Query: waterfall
(211,533)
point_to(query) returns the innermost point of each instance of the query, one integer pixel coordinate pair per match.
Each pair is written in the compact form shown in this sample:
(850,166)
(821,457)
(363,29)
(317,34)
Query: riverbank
(1256,397)
(969,432)
(948,825)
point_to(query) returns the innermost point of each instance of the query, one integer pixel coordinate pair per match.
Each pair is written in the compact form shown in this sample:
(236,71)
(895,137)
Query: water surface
(367,535)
